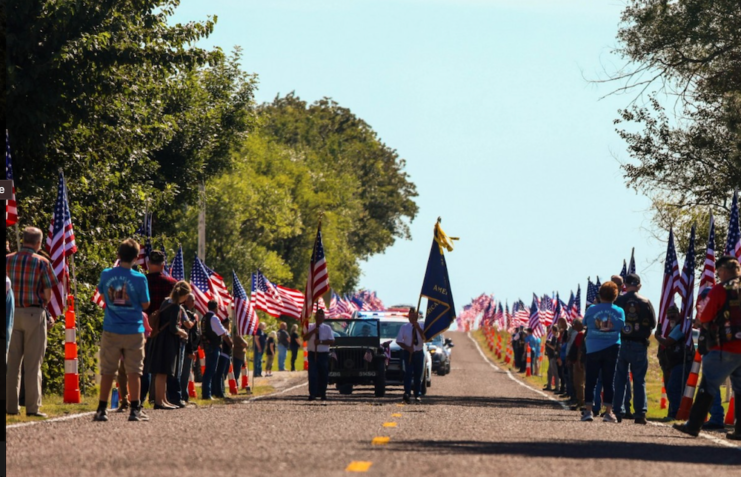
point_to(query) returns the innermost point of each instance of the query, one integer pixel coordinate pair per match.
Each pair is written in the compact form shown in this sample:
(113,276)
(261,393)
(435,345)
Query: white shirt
(217,326)
(406,337)
(325,334)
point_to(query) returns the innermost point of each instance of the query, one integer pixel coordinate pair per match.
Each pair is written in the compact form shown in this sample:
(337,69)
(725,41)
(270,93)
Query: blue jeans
(717,413)
(413,365)
(257,364)
(716,368)
(237,365)
(601,362)
(185,377)
(318,374)
(174,395)
(212,362)
(217,383)
(633,358)
(675,387)
(282,352)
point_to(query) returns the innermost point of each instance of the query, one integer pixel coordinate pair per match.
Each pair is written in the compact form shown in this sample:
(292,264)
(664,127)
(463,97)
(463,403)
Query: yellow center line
(396,414)
(389,424)
(359,466)
(380,441)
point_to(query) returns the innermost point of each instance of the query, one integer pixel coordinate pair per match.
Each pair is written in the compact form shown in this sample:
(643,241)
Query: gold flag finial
(442,238)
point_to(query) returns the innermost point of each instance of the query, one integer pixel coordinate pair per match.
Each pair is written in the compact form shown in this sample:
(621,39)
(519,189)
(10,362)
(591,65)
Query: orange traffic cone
(71,377)
(192,386)
(663,404)
(232,381)
(245,378)
(202,360)
(306,358)
(731,416)
(507,358)
(689,390)
(528,363)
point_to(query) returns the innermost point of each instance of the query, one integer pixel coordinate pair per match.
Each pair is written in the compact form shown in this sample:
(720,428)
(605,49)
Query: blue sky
(488,103)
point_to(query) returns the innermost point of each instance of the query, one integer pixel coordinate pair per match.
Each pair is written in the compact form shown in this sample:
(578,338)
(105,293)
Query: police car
(391,322)
(440,352)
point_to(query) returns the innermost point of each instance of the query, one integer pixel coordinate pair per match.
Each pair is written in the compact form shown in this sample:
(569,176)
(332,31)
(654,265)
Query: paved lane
(475,421)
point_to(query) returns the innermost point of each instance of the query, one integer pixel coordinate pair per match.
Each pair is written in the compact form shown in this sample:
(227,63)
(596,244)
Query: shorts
(114,345)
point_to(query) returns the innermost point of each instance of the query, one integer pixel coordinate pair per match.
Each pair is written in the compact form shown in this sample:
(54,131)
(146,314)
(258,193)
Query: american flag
(632,264)
(686,287)
(275,300)
(97,297)
(145,231)
(200,285)
(11,208)
(558,313)
(177,268)
(61,244)
(219,292)
(534,320)
(338,307)
(165,268)
(246,317)
(671,280)
(317,283)
(350,304)
(576,307)
(624,270)
(733,243)
(507,317)
(592,292)
(547,308)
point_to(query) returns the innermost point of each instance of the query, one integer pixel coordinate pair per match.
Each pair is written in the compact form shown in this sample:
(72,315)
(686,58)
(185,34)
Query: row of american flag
(546,310)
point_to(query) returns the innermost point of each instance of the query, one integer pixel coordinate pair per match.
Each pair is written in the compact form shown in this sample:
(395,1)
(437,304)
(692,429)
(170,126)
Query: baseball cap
(632,280)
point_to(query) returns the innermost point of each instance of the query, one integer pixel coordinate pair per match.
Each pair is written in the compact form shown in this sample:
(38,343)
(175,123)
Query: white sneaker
(586,416)
(609,417)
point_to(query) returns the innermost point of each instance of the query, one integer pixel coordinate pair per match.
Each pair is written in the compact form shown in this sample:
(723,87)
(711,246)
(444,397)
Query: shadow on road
(651,452)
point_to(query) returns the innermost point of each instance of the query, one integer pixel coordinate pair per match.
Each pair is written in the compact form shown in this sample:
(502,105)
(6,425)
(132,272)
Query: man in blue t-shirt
(126,295)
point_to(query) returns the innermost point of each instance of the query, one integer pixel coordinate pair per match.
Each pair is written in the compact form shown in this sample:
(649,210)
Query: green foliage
(688,51)
(302,163)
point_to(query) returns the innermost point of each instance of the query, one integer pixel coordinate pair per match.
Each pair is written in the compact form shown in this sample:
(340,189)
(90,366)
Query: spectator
(534,343)
(640,319)
(561,343)
(32,280)
(576,358)
(9,311)
(721,318)
(283,344)
(190,323)
(603,323)
(320,337)
(212,334)
(260,340)
(270,352)
(679,357)
(239,353)
(551,352)
(222,370)
(295,346)
(126,295)
(165,360)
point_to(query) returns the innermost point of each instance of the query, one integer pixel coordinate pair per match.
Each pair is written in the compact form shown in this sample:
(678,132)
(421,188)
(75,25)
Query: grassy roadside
(54,406)
(653,376)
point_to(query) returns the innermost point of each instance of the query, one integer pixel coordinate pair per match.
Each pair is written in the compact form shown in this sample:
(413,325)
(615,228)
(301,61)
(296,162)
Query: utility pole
(202,220)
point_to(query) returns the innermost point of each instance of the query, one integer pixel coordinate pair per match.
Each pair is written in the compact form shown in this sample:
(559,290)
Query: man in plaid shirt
(32,279)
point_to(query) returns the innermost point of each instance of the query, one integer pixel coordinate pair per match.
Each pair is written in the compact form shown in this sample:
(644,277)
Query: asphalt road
(478,420)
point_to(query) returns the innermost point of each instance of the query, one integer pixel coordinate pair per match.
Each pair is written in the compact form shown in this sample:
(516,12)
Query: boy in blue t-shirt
(126,295)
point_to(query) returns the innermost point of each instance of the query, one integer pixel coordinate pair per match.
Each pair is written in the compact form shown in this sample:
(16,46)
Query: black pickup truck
(357,357)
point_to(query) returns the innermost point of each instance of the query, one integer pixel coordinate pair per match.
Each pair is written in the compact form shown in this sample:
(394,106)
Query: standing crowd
(602,360)
(150,339)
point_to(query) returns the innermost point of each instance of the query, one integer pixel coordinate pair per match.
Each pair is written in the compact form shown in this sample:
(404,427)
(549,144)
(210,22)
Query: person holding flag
(319,338)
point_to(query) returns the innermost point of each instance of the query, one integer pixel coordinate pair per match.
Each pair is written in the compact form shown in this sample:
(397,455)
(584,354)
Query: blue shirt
(124,291)
(676,333)
(603,322)
(534,343)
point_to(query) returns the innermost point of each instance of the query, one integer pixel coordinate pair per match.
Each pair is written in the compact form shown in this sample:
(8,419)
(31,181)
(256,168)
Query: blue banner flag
(440,312)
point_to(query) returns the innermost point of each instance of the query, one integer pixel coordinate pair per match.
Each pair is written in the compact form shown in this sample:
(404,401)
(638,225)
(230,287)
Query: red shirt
(715,303)
(160,287)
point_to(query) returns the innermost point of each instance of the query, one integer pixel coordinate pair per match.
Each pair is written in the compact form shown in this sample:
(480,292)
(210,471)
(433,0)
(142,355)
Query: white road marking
(77,416)
(707,436)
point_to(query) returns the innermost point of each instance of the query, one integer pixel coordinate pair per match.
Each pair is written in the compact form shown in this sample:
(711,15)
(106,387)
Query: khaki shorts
(114,345)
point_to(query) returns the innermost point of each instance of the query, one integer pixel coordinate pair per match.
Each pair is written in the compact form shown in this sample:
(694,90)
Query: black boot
(736,435)
(698,413)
